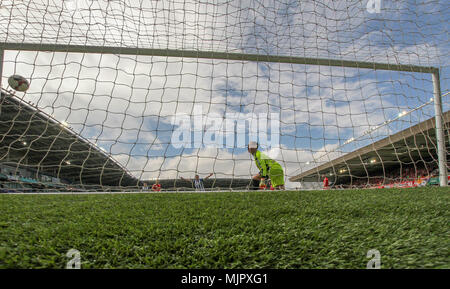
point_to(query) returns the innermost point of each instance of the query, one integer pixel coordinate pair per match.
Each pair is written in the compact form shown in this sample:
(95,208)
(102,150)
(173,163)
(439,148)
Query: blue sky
(125,103)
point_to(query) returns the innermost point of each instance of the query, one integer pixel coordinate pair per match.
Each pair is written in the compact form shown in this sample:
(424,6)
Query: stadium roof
(33,139)
(414,143)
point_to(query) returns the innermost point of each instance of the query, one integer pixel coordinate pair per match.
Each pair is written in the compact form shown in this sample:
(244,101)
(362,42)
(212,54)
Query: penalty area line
(131,192)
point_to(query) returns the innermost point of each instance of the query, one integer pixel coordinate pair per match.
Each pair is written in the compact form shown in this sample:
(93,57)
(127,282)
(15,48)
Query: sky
(126,104)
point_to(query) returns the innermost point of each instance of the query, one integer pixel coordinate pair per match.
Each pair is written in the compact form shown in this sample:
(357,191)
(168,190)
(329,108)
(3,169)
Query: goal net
(124,93)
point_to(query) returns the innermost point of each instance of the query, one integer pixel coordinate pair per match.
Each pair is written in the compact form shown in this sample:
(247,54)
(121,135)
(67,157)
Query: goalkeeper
(268,168)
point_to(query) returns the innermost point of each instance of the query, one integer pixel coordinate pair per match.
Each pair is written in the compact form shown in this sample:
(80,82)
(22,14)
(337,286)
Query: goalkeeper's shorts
(276,176)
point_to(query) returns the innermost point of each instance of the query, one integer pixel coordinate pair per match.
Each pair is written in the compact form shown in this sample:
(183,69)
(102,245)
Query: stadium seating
(406,177)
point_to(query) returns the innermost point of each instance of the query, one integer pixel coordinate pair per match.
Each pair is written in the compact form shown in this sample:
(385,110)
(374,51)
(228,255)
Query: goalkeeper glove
(262,184)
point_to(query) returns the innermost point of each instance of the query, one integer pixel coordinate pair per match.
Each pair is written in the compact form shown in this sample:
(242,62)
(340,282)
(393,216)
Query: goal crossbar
(256,58)
(216,55)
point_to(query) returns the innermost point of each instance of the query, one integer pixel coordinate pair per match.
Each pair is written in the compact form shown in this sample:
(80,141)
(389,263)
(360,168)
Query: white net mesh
(125,111)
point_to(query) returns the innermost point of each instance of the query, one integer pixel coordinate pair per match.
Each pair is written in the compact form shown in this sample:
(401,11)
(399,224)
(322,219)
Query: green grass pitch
(315,229)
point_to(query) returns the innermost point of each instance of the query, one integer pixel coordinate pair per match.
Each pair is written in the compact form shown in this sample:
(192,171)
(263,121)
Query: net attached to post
(124,94)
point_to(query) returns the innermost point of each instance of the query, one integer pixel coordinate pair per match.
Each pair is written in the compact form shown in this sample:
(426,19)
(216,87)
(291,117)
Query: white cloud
(129,100)
(222,163)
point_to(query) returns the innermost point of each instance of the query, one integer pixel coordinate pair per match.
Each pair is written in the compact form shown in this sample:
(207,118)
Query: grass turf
(317,229)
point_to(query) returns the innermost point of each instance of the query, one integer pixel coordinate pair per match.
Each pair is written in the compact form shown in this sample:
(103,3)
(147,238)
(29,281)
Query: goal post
(1,65)
(216,55)
(124,94)
(440,137)
(434,71)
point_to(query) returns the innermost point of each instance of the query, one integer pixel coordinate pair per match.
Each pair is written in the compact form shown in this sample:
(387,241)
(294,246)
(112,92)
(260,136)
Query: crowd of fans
(17,183)
(400,177)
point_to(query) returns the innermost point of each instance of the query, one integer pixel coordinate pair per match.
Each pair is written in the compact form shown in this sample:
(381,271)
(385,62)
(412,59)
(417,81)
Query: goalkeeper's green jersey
(265,164)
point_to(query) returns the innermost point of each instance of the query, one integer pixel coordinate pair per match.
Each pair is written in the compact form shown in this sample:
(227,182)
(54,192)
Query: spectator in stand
(145,187)
(325,183)
(198,182)
(156,186)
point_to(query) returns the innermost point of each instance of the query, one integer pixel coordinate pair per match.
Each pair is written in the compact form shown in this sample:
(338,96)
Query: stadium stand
(405,159)
(49,156)
(210,184)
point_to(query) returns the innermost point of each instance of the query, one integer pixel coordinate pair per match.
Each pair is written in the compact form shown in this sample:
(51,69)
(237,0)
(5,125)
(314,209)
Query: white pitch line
(135,192)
